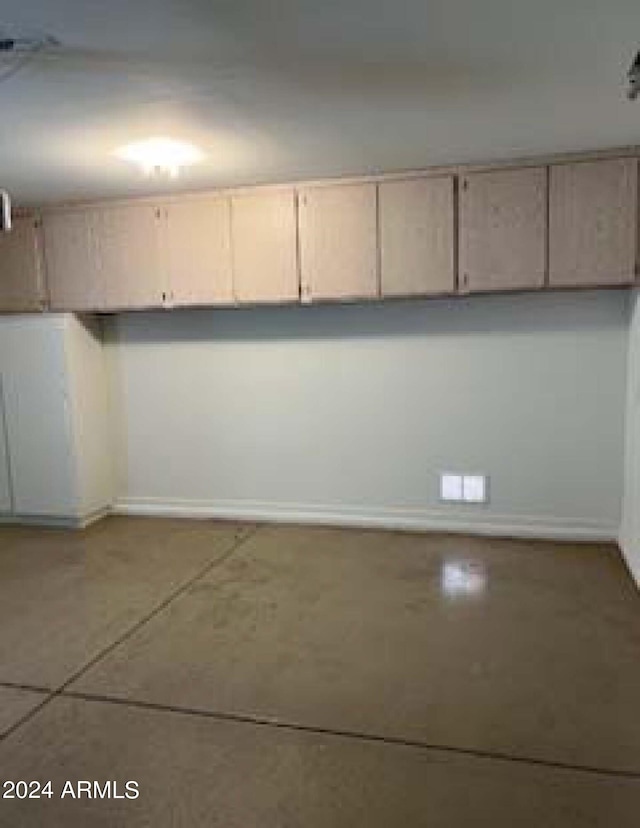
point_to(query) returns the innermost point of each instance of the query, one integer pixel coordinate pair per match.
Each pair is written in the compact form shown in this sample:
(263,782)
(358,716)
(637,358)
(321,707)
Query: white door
(37,417)
(5,476)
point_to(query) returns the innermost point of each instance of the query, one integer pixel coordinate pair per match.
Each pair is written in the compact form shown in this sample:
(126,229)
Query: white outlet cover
(474,488)
(451,487)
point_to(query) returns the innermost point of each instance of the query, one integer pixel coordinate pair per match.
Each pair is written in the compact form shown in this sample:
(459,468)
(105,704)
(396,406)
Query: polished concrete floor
(287,676)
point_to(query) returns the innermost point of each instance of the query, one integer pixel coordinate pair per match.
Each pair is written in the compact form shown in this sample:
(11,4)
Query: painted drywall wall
(347,413)
(630,528)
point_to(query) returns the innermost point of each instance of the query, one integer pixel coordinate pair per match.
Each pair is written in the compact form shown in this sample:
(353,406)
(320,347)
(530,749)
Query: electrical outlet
(463,488)
(451,487)
(474,488)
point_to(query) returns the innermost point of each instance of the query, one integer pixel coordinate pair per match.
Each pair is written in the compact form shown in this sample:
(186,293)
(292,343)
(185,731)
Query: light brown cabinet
(495,229)
(196,246)
(73,279)
(338,242)
(503,230)
(593,223)
(104,258)
(127,247)
(417,236)
(264,244)
(21,271)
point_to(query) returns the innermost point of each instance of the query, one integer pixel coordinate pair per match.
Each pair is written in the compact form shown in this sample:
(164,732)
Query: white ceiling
(281,89)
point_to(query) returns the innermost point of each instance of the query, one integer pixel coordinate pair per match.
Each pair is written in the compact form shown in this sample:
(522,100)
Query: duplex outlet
(464,488)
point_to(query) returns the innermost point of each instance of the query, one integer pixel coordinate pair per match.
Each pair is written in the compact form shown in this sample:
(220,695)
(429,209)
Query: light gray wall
(348,413)
(630,530)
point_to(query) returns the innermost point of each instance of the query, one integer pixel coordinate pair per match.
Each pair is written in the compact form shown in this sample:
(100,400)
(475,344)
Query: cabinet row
(565,225)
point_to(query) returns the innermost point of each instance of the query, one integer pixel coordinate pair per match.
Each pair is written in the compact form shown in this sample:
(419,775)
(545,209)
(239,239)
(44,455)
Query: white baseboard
(476,522)
(630,550)
(54,521)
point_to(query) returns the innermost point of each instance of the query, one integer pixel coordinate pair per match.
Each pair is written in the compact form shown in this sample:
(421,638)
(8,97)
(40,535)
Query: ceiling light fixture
(160,156)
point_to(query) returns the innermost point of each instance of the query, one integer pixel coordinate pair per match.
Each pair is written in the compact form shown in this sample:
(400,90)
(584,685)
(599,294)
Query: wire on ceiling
(17,52)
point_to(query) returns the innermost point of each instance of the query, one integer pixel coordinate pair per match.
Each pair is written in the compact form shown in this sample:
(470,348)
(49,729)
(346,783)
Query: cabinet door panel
(5,475)
(338,242)
(127,244)
(73,280)
(593,222)
(264,241)
(417,236)
(503,230)
(198,251)
(21,286)
(36,398)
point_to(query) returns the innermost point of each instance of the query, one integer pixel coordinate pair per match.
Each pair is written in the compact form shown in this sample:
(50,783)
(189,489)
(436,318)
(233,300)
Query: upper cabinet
(197,248)
(72,275)
(265,249)
(21,272)
(503,229)
(338,242)
(593,222)
(570,224)
(417,236)
(127,245)
(104,258)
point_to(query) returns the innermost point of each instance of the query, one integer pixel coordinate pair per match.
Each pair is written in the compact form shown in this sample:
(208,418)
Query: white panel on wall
(37,416)
(349,413)
(630,533)
(90,414)
(5,474)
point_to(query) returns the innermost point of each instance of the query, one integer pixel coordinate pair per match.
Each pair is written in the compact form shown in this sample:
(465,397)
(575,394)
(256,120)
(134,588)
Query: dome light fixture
(160,156)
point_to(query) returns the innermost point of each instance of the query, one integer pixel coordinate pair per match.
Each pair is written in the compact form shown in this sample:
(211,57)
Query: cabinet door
(417,236)
(338,242)
(503,230)
(21,285)
(73,280)
(5,475)
(264,241)
(198,251)
(37,417)
(593,222)
(127,244)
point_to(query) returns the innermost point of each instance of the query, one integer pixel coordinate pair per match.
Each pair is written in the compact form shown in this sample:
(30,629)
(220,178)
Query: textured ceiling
(302,88)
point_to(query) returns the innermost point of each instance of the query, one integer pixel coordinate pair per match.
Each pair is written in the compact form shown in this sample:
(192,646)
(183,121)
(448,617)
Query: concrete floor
(286,676)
